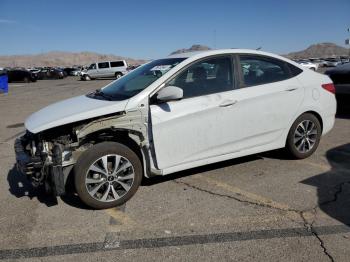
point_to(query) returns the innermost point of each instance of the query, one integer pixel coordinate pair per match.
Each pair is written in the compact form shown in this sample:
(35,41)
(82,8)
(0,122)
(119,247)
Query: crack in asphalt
(307,225)
(227,196)
(339,190)
(310,227)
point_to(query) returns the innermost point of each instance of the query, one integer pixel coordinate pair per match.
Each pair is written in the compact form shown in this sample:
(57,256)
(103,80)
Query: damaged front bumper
(39,167)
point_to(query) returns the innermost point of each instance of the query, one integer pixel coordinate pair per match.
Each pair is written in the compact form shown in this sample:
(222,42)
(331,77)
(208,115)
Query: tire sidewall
(88,157)
(290,139)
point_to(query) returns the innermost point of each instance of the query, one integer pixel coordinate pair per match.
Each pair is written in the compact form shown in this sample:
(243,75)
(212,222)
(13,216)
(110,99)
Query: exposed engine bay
(48,157)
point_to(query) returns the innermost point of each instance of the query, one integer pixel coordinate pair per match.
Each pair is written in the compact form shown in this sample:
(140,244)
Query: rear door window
(259,70)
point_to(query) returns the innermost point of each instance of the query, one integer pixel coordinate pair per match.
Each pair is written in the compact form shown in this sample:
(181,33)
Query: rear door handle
(228,103)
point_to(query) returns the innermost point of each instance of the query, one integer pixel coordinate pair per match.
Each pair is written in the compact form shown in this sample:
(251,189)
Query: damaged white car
(173,114)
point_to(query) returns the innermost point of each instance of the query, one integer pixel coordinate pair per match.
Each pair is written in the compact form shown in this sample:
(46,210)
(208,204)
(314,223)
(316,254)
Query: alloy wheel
(109,178)
(305,136)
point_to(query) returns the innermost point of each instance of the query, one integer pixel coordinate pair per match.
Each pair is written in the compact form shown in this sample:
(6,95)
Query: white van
(105,69)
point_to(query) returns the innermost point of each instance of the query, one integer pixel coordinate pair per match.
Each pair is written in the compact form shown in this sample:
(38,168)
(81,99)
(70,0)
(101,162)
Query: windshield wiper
(98,92)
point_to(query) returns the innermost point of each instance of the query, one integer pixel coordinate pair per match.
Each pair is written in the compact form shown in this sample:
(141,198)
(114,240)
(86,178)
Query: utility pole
(214,38)
(347,41)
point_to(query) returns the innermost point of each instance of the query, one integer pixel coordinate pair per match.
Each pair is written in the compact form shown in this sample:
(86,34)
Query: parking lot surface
(258,208)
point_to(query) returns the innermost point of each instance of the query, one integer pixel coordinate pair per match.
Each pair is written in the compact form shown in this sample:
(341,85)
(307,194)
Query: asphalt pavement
(263,207)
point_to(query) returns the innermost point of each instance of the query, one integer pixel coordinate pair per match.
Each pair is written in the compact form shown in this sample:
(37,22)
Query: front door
(194,128)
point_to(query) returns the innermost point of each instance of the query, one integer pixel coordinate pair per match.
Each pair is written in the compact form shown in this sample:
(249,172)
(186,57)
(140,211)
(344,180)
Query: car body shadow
(20,186)
(333,186)
(197,170)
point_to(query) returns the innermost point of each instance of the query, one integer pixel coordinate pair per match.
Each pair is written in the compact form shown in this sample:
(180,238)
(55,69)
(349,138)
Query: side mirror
(170,93)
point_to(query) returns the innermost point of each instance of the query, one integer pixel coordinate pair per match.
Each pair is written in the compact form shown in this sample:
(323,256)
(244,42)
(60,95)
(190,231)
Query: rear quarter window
(294,70)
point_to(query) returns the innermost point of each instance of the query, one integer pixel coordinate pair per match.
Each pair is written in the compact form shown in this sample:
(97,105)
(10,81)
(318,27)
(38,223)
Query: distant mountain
(322,50)
(191,49)
(59,58)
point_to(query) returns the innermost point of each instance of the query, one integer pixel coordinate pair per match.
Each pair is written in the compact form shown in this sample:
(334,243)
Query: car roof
(203,54)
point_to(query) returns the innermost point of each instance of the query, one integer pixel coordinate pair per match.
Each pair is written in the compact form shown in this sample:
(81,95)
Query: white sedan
(308,64)
(172,114)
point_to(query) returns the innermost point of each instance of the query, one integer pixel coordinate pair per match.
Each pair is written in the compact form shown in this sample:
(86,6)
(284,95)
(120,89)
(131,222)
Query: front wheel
(87,78)
(107,175)
(304,136)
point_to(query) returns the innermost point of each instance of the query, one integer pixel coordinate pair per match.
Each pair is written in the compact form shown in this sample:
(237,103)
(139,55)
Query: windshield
(138,79)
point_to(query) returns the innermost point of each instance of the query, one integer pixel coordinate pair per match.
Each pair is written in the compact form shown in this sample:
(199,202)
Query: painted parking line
(251,196)
(113,242)
(16,85)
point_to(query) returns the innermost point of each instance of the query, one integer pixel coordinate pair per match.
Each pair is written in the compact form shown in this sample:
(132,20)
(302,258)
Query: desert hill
(323,50)
(59,58)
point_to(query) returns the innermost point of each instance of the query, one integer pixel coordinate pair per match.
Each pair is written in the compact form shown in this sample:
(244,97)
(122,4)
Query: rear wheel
(118,75)
(304,136)
(107,175)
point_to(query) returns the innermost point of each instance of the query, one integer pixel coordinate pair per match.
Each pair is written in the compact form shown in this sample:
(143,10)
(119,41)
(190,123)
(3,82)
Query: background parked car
(132,67)
(308,64)
(72,71)
(341,78)
(105,69)
(51,73)
(332,62)
(19,75)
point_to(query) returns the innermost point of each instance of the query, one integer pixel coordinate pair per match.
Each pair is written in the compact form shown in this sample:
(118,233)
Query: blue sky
(151,29)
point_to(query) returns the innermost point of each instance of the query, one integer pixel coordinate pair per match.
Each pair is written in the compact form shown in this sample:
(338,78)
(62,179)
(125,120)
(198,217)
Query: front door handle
(228,103)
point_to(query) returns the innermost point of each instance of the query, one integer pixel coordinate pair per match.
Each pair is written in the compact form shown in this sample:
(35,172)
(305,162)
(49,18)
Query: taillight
(329,87)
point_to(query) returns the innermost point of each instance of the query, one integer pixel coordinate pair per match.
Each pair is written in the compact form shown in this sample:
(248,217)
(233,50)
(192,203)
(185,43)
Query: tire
(87,78)
(105,197)
(26,80)
(311,137)
(118,75)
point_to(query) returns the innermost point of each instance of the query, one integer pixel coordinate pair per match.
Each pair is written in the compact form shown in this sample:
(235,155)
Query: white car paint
(223,129)
(206,129)
(69,111)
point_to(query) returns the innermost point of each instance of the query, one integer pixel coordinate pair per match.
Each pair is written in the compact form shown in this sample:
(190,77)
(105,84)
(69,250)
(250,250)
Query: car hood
(70,111)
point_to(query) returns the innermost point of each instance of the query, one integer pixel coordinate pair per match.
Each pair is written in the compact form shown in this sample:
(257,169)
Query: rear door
(267,101)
